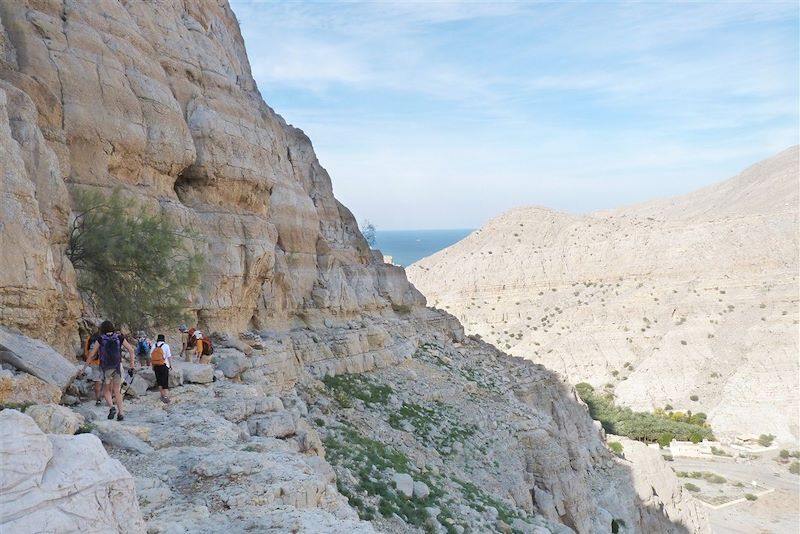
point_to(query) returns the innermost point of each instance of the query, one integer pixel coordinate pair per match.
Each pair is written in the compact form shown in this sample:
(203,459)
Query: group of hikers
(103,354)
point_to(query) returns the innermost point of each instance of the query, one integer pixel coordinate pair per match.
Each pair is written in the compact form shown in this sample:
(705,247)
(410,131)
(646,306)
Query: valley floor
(776,512)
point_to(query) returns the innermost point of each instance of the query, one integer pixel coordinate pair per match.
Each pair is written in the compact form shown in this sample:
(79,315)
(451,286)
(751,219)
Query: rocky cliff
(690,302)
(157,99)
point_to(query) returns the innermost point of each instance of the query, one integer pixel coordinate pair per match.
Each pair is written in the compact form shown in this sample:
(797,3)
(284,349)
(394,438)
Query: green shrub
(784,454)
(615,446)
(765,440)
(665,439)
(134,267)
(750,497)
(794,468)
(691,487)
(695,438)
(694,398)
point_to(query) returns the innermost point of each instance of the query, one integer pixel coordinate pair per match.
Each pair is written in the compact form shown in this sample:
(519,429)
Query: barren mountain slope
(694,295)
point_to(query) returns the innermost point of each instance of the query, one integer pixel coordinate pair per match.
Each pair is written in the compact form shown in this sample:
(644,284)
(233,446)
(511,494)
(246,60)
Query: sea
(407,246)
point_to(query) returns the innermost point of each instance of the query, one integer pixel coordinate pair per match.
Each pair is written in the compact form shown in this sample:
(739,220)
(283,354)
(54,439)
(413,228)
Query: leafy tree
(665,439)
(368,230)
(132,266)
(695,438)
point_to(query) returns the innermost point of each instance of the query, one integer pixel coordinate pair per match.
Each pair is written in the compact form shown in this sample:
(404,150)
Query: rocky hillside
(690,302)
(332,389)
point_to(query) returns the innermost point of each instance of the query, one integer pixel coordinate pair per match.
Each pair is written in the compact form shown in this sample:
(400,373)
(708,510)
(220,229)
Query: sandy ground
(775,513)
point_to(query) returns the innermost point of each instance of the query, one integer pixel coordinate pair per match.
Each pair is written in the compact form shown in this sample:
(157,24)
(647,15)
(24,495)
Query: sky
(445,114)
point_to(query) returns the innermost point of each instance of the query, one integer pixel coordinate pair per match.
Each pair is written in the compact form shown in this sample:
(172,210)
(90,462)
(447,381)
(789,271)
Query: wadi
(687,303)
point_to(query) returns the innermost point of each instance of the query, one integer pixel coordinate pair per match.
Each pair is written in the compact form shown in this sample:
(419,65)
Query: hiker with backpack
(202,347)
(160,359)
(109,348)
(143,348)
(93,363)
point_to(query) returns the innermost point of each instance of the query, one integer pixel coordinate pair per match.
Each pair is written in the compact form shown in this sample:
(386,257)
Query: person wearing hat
(198,345)
(160,358)
(185,354)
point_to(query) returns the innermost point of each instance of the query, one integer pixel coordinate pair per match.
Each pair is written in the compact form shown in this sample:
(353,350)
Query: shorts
(112,375)
(162,376)
(93,373)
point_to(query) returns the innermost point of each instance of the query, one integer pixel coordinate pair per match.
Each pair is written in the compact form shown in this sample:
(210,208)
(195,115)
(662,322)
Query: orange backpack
(157,356)
(87,350)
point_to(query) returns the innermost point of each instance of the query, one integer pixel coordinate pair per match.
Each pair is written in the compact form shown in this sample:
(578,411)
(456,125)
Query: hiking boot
(165,400)
(97,402)
(112,412)
(120,417)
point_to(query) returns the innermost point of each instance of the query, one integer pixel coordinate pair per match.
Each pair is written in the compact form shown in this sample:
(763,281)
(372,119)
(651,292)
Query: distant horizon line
(424,229)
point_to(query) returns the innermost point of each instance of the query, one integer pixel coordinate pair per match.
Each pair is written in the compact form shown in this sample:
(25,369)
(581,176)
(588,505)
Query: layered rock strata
(690,302)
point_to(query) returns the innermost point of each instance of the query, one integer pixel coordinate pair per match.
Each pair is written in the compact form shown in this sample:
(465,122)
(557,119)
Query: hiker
(109,348)
(184,343)
(203,348)
(143,348)
(160,358)
(198,345)
(93,363)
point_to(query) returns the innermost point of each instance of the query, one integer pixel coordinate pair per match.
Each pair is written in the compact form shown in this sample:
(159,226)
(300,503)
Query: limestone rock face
(22,388)
(35,358)
(157,99)
(694,297)
(55,483)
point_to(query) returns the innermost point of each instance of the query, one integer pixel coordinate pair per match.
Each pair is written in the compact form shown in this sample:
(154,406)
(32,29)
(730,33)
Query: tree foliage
(642,426)
(134,267)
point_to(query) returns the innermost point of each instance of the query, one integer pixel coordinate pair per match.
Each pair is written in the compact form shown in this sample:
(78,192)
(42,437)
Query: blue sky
(445,114)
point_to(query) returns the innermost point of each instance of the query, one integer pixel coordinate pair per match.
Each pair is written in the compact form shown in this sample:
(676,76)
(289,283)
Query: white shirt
(167,352)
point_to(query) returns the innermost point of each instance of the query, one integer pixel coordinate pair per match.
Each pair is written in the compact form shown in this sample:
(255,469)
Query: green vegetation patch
(372,494)
(437,425)
(642,426)
(345,388)
(480,501)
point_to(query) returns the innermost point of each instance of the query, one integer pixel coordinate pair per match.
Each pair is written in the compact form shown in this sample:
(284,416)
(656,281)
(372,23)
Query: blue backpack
(143,348)
(110,351)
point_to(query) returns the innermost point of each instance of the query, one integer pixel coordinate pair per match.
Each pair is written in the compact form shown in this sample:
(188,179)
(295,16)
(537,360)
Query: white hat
(198,334)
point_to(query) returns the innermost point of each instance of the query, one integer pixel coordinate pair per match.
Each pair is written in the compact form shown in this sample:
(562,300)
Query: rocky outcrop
(56,483)
(157,99)
(35,358)
(689,302)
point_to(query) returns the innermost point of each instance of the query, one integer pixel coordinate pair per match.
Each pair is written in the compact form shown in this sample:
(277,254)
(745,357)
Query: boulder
(229,341)
(55,419)
(273,425)
(116,435)
(196,373)
(404,484)
(232,363)
(22,388)
(36,358)
(61,483)
(421,490)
